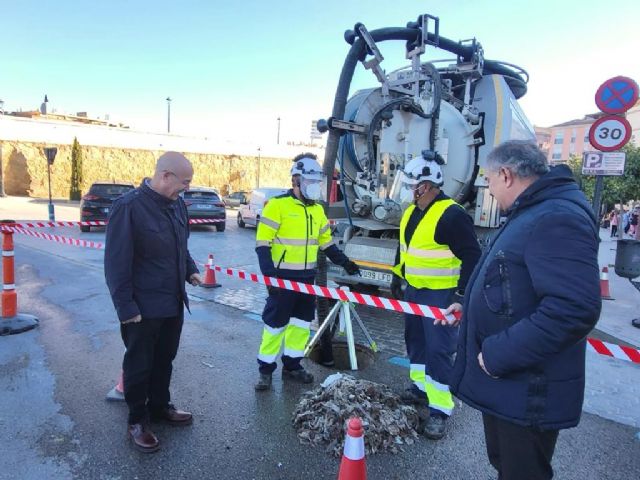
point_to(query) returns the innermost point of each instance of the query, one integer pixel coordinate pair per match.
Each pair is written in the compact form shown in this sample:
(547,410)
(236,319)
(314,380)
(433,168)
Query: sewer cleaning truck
(458,108)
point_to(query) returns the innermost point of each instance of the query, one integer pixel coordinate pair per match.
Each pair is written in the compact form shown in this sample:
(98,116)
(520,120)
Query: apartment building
(570,139)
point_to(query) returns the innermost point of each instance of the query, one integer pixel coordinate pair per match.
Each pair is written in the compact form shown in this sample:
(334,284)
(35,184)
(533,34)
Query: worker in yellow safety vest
(438,251)
(292,228)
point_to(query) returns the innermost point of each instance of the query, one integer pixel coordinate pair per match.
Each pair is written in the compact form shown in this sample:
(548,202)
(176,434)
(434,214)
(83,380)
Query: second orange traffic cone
(209,275)
(352,466)
(604,284)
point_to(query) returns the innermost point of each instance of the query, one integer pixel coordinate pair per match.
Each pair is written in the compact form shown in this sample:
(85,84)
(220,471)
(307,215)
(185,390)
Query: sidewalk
(617,314)
(26,208)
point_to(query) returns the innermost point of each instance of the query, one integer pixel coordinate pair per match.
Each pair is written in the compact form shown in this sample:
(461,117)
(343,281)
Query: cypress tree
(76,171)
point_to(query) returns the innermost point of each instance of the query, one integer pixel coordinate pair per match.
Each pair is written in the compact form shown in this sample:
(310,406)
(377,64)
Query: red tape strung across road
(99,223)
(594,345)
(76,242)
(341,294)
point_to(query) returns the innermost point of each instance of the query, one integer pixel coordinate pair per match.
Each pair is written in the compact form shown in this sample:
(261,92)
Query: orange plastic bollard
(11,322)
(9,295)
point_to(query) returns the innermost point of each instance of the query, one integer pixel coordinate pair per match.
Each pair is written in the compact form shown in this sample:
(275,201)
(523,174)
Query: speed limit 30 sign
(609,133)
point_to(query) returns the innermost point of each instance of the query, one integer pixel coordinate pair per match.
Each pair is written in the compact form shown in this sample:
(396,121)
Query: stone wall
(24,169)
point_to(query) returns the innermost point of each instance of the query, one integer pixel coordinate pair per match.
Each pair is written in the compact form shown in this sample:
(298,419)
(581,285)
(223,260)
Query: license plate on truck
(378,276)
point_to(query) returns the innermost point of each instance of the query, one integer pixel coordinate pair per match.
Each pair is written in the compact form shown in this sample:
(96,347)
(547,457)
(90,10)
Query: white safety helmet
(312,178)
(415,172)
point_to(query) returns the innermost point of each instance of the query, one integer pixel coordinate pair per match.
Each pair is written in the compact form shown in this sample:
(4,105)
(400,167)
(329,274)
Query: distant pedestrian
(528,308)
(613,220)
(626,221)
(146,266)
(633,221)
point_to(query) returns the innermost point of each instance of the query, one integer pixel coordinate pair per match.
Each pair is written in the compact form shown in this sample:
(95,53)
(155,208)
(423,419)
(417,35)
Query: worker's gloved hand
(351,268)
(396,287)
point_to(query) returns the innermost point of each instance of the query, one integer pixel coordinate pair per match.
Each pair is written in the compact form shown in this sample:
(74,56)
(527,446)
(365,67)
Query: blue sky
(233,67)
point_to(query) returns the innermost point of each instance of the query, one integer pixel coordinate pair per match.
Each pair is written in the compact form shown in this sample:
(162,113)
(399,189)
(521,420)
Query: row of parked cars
(201,202)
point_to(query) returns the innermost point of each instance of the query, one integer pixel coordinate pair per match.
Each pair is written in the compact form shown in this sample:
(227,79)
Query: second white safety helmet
(415,172)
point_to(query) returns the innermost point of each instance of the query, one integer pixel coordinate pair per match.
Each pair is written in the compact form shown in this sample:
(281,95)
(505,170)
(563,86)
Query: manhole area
(364,355)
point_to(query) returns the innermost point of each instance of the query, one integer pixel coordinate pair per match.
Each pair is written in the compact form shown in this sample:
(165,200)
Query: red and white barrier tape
(612,350)
(339,294)
(95,223)
(76,242)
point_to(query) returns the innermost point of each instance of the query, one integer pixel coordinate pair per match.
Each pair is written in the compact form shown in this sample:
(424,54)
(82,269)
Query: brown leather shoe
(143,439)
(172,416)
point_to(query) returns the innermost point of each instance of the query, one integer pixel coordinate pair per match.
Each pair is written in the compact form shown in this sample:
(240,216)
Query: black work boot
(413,396)
(264,382)
(436,424)
(300,375)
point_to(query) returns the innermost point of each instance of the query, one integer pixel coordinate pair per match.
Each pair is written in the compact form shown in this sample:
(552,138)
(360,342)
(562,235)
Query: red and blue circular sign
(617,95)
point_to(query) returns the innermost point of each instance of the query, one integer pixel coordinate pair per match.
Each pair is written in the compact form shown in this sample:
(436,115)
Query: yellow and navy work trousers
(287,316)
(430,348)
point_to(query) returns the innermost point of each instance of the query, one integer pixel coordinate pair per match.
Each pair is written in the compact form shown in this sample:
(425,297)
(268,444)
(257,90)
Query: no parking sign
(617,95)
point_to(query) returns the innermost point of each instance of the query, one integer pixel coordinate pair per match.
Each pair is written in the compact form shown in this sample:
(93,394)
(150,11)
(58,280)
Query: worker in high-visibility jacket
(292,228)
(438,251)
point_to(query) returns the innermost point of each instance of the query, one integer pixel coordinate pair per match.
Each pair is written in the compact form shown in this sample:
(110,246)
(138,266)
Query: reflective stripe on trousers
(295,337)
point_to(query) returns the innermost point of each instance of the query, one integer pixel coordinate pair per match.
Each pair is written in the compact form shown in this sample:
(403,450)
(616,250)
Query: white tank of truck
(458,108)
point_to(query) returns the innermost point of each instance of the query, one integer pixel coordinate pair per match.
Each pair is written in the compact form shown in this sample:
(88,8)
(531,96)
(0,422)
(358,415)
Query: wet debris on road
(321,416)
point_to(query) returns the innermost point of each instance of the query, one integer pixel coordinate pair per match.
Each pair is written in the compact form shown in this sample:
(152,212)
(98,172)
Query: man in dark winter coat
(146,265)
(529,305)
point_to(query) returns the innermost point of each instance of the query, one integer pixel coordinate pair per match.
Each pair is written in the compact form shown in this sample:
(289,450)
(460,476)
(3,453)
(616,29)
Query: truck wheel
(241,223)
(220,227)
(85,228)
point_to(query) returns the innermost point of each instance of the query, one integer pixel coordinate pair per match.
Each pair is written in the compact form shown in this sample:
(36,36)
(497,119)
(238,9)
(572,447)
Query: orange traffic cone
(116,394)
(209,275)
(604,284)
(352,466)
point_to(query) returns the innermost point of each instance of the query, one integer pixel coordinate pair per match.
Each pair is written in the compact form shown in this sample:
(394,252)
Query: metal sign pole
(52,216)
(597,196)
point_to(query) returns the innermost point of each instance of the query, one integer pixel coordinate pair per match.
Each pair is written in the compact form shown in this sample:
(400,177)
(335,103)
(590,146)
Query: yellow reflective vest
(427,264)
(294,231)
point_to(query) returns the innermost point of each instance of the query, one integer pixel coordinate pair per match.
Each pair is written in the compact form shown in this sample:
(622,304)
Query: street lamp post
(50,153)
(258,175)
(278,138)
(168,114)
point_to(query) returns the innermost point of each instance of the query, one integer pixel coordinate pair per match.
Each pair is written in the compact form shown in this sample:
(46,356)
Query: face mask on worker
(311,189)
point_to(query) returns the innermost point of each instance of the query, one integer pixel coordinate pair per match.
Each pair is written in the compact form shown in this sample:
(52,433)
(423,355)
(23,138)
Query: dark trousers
(430,349)
(151,345)
(614,230)
(517,452)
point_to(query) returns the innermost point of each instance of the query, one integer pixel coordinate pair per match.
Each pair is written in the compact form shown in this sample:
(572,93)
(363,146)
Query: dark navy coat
(146,260)
(530,303)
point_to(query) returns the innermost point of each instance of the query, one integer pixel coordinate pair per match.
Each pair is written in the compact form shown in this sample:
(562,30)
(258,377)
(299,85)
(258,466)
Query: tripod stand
(343,311)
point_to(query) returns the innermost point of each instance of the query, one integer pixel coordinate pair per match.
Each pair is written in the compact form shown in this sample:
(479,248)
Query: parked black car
(96,204)
(203,202)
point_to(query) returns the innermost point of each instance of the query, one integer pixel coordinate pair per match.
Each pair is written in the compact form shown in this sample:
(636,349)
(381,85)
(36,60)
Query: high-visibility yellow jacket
(427,264)
(294,231)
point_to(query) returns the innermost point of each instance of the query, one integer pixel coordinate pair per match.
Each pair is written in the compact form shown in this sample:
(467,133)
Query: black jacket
(146,260)
(529,306)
